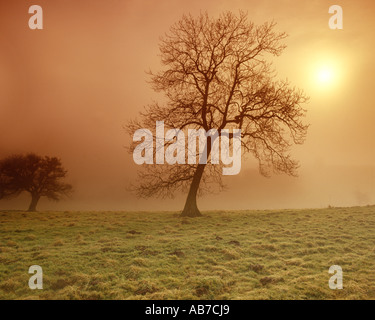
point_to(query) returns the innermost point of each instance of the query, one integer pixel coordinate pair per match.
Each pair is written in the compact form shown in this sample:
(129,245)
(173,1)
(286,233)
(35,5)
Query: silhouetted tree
(216,76)
(40,176)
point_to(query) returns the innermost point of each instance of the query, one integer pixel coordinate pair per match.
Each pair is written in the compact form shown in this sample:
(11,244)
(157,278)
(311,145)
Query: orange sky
(68,89)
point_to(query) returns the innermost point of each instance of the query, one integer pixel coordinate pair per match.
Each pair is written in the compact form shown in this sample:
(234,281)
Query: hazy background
(67,91)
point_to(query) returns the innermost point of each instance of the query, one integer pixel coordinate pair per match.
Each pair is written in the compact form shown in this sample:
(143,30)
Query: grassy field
(224,255)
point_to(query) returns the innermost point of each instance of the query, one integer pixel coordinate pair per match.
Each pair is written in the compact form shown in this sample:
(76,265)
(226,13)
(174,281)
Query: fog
(69,89)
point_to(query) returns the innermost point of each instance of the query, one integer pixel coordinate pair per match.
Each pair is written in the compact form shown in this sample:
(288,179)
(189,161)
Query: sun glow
(325,75)
(327,71)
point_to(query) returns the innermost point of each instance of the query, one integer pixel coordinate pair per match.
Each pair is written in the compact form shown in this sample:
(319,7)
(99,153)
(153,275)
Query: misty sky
(69,89)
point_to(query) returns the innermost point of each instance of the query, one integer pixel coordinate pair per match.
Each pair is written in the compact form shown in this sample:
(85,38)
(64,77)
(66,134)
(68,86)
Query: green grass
(224,255)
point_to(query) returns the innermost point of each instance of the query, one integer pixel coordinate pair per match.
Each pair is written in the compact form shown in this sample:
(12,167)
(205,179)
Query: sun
(325,75)
(327,72)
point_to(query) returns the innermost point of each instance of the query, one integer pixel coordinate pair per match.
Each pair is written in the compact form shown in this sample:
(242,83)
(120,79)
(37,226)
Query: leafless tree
(216,75)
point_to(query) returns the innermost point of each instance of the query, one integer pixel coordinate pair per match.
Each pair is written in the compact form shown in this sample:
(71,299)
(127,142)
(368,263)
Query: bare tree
(216,76)
(41,177)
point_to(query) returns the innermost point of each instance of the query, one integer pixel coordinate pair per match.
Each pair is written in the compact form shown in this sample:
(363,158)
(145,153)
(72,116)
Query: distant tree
(39,176)
(216,76)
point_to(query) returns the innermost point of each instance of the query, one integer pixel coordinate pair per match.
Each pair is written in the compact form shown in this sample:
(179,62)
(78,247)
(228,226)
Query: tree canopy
(39,176)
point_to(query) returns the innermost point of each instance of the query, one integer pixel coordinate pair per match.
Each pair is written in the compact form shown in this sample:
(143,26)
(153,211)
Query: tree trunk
(191,209)
(34,201)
